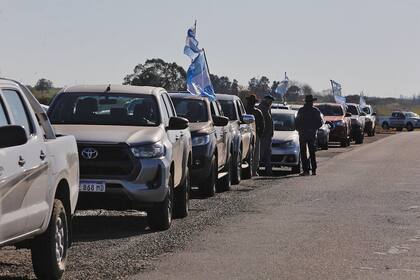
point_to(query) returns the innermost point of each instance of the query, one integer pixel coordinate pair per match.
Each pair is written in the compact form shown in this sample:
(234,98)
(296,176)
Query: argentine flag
(191,44)
(198,78)
(362,102)
(336,88)
(282,87)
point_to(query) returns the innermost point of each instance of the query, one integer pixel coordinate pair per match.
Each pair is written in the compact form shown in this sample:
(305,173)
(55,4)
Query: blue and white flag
(191,44)
(362,102)
(282,87)
(198,78)
(340,100)
(336,88)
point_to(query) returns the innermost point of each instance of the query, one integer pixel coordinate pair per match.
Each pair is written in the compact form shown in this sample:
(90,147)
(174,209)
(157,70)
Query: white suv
(39,181)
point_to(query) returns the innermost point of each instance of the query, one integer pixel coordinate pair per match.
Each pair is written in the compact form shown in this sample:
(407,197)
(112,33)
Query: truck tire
(49,250)
(385,125)
(296,169)
(345,143)
(236,167)
(224,183)
(359,138)
(247,172)
(160,216)
(182,197)
(208,187)
(410,126)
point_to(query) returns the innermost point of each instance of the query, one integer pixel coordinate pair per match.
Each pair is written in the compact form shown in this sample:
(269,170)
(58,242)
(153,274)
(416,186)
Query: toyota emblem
(90,153)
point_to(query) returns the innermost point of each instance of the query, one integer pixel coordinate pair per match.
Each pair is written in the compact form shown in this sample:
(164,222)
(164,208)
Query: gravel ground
(115,245)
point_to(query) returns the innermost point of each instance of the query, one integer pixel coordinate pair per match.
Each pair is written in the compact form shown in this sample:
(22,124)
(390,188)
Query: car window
(19,112)
(192,109)
(283,122)
(330,110)
(366,110)
(352,109)
(228,108)
(395,115)
(3,117)
(105,109)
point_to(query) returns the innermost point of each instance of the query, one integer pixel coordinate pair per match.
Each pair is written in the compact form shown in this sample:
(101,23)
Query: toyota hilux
(134,151)
(211,139)
(39,181)
(243,136)
(358,121)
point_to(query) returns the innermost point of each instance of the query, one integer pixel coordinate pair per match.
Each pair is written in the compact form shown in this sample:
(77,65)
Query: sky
(366,45)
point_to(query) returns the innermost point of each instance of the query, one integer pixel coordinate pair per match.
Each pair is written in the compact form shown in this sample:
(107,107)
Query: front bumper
(150,186)
(338,133)
(288,157)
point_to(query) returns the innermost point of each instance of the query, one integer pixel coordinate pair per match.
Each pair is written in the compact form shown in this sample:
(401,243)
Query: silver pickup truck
(39,181)
(401,120)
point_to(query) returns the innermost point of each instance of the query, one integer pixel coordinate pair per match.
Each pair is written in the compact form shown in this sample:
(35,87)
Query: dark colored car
(211,140)
(339,121)
(242,136)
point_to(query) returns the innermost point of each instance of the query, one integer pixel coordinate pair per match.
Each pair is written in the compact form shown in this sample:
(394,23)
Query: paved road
(358,219)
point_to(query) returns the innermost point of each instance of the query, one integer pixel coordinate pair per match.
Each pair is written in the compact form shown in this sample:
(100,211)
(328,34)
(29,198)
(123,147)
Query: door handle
(42,156)
(21,161)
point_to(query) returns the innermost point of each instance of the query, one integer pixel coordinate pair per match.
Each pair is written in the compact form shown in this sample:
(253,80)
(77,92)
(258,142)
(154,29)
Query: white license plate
(92,187)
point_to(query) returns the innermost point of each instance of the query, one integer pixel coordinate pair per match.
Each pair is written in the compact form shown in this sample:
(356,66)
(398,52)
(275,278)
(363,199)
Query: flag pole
(205,59)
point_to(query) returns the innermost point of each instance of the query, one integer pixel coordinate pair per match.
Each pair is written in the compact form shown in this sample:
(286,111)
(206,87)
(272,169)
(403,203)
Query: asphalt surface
(358,219)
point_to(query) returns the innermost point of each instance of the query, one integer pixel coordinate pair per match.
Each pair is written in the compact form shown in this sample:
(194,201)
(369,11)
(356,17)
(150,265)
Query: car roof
(226,97)
(186,95)
(114,89)
(283,111)
(329,104)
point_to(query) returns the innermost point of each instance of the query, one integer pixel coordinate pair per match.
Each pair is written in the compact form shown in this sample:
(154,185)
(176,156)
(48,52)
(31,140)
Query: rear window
(330,110)
(193,110)
(229,110)
(352,109)
(283,122)
(366,110)
(105,109)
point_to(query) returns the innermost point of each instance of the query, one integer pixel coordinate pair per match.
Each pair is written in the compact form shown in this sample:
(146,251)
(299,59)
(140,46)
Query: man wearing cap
(251,100)
(308,121)
(267,136)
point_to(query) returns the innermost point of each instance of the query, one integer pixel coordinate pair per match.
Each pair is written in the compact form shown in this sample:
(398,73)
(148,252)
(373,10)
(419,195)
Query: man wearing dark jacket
(308,121)
(267,136)
(259,129)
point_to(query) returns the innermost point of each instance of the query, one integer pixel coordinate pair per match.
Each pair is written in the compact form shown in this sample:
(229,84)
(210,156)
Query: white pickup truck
(39,181)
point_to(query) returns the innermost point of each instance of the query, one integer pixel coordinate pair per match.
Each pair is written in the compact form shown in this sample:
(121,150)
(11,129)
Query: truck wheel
(359,139)
(385,126)
(160,216)
(236,167)
(224,183)
(182,197)
(49,250)
(344,143)
(247,172)
(208,187)
(410,127)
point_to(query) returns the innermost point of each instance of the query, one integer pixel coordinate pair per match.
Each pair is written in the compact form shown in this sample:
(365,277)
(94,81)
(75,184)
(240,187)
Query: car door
(245,129)
(174,137)
(25,197)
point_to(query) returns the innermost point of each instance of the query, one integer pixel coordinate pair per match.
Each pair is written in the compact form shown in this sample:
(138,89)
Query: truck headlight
(148,151)
(200,140)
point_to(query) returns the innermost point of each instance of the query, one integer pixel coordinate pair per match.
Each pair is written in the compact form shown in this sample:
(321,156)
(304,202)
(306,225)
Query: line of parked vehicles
(129,147)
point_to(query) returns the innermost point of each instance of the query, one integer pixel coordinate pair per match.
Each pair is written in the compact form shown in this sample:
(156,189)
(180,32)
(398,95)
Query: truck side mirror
(12,135)
(363,114)
(247,119)
(220,121)
(178,123)
(374,114)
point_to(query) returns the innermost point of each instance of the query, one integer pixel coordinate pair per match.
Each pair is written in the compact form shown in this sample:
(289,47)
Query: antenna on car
(108,88)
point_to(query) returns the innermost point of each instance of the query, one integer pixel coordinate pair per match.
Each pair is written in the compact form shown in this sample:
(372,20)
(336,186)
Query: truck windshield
(191,109)
(366,110)
(229,110)
(352,109)
(105,109)
(283,122)
(331,110)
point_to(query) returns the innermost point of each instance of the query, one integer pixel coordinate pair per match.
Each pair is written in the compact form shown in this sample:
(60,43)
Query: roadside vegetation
(171,76)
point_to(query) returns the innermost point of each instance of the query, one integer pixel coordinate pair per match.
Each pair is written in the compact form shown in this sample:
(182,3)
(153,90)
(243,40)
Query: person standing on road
(251,100)
(308,121)
(267,136)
